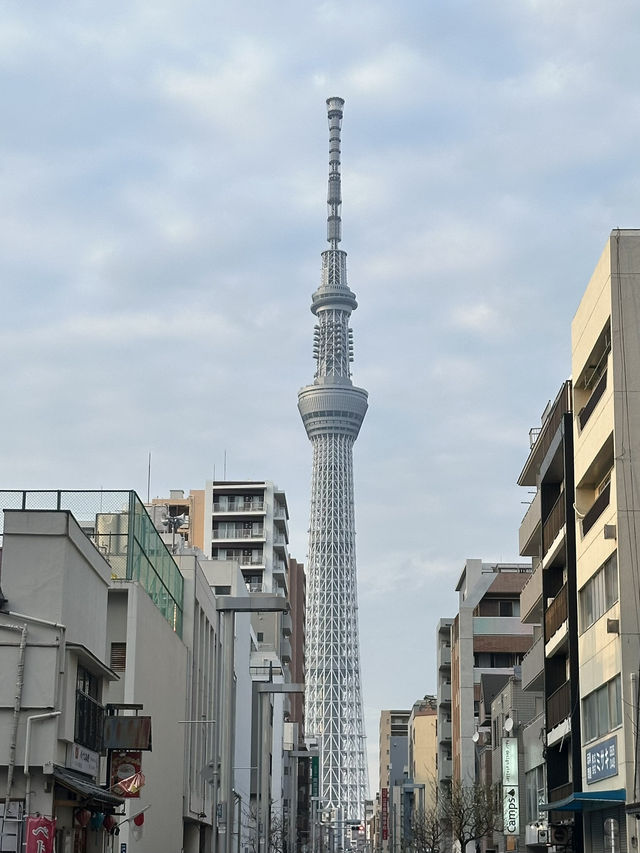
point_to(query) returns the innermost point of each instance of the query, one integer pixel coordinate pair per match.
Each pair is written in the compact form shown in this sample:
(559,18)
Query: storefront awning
(87,789)
(586,801)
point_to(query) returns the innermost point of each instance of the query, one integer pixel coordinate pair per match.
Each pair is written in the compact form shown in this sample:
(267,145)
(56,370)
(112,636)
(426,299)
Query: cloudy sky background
(162,215)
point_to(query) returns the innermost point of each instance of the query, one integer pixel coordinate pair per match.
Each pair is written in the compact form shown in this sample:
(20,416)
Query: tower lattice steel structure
(332,411)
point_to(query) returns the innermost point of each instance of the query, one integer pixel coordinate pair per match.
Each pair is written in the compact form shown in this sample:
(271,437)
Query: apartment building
(444,759)
(487,636)
(549,604)
(605,361)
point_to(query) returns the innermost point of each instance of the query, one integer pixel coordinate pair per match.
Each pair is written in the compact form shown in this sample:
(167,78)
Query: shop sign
(315,775)
(41,833)
(125,764)
(384,809)
(127,732)
(82,759)
(509,761)
(602,760)
(511,810)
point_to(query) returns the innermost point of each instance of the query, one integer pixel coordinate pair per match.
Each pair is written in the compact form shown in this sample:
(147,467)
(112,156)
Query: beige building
(606,426)
(423,746)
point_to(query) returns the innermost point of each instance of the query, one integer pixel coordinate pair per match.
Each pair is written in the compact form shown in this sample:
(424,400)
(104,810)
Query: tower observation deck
(332,411)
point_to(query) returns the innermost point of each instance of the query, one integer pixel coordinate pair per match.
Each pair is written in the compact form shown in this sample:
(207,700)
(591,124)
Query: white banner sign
(510,801)
(511,812)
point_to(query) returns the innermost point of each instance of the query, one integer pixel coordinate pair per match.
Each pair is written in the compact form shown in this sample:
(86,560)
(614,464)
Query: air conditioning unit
(536,835)
(559,835)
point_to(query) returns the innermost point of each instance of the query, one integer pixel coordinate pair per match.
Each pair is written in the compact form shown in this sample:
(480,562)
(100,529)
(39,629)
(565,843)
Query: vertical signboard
(384,813)
(40,835)
(315,776)
(510,791)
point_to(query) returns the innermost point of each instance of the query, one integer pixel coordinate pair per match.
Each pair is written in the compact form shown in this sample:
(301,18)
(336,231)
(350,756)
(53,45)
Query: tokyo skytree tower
(332,411)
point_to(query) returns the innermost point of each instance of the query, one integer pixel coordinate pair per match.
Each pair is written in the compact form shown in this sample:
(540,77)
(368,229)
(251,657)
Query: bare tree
(426,831)
(469,813)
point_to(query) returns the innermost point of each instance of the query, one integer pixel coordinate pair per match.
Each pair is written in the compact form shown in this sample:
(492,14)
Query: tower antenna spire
(334,194)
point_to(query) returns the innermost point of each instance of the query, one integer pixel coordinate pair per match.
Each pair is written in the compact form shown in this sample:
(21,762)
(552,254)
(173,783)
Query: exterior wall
(423,750)
(610,438)
(472,633)
(444,695)
(156,677)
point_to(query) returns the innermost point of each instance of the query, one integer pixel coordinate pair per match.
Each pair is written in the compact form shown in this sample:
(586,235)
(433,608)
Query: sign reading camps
(510,792)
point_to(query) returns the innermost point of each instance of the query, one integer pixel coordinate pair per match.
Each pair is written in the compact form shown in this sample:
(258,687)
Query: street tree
(470,812)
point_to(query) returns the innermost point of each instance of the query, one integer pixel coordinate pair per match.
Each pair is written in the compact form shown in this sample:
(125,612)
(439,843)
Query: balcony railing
(238,533)
(542,441)
(596,509)
(89,721)
(586,411)
(553,523)
(238,506)
(559,705)
(557,613)
(560,792)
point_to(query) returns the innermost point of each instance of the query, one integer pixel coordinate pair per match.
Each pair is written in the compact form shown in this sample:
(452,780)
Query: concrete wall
(155,676)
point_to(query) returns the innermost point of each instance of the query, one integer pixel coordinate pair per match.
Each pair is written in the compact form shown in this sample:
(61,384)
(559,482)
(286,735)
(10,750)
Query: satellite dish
(508,725)
(476,737)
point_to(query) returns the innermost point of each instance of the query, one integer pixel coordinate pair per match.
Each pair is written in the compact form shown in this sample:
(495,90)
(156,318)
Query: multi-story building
(444,761)
(423,746)
(605,364)
(487,636)
(549,604)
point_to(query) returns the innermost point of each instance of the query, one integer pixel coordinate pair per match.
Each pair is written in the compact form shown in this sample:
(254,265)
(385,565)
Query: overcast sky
(162,214)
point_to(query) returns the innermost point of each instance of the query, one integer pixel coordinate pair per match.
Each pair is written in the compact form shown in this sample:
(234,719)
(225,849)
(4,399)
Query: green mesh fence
(119,526)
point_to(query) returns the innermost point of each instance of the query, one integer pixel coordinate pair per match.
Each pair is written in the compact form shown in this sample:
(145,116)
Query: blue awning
(587,801)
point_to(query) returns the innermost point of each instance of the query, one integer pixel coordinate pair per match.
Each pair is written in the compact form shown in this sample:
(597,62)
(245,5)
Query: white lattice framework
(332,411)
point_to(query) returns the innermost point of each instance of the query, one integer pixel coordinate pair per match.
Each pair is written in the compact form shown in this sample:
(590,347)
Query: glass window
(611,581)
(615,703)
(599,593)
(602,710)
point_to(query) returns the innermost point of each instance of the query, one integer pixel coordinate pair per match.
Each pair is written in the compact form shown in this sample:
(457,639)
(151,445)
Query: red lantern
(139,819)
(82,817)
(109,822)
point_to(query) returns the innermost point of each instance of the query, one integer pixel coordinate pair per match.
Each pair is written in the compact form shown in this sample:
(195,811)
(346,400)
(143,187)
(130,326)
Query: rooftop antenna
(149,480)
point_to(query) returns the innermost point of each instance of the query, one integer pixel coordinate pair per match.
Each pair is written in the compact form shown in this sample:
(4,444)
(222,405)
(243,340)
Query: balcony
(533,666)
(444,731)
(596,509)
(497,625)
(238,506)
(553,523)
(587,410)
(444,693)
(531,598)
(445,768)
(529,533)
(238,532)
(557,613)
(559,706)
(444,657)
(541,441)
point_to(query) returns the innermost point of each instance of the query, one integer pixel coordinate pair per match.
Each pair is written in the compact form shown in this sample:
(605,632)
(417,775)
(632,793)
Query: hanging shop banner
(384,810)
(126,773)
(511,810)
(509,761)
(315,776)
(41,833)
(127,733)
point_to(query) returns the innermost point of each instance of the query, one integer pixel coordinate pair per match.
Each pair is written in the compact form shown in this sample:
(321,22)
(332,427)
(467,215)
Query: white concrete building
(53,629)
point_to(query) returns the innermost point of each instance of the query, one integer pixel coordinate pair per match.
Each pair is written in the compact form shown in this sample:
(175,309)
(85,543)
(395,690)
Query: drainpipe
(16,709)
(27,749)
